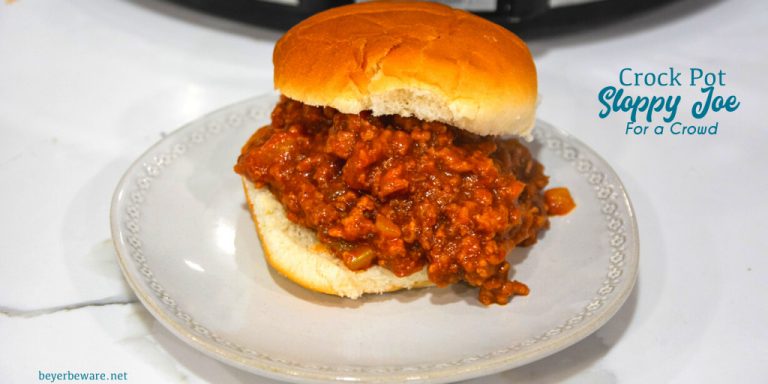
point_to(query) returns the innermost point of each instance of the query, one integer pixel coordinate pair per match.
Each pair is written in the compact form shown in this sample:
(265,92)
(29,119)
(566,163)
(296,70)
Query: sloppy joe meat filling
(403,193)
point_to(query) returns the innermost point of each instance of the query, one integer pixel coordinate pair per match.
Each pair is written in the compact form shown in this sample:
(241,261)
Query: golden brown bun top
(413,59)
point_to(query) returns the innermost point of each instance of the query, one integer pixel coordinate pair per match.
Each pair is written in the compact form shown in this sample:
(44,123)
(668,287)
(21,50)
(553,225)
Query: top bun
(411,59)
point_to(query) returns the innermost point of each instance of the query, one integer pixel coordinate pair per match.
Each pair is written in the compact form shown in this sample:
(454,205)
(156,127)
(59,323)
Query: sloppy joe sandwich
(389,161)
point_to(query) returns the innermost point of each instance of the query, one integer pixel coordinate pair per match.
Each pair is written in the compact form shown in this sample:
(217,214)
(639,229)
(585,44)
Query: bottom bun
(295,252)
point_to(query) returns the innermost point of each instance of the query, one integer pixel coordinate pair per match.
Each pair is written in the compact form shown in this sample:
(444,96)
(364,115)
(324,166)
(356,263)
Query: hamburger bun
(411,59)
(294,252)
(424,60)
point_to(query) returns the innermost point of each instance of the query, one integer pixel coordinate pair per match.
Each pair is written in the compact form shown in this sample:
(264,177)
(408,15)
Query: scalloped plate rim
(470,370)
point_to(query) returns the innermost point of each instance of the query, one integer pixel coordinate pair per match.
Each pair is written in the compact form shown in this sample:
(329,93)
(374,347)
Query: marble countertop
(87,86)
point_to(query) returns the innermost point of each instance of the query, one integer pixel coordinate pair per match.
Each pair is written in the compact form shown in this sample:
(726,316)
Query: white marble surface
(86,86)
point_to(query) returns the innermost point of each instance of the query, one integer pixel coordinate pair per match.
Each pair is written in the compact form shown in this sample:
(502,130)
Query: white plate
(189,250)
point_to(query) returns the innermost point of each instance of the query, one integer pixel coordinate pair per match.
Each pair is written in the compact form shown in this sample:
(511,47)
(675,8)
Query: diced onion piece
(359,258)
(386,227)
(559,201)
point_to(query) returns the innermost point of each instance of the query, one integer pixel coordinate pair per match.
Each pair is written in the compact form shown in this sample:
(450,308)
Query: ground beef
(403,193)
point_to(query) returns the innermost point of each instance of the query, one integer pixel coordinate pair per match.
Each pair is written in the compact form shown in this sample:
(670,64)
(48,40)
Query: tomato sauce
(403,193)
